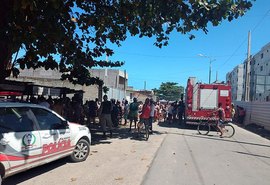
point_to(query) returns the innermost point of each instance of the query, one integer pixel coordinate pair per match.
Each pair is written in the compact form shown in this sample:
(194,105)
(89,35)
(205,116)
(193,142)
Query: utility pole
(125,73)
(210,64)
(144,85)
(247,80)
(210,70)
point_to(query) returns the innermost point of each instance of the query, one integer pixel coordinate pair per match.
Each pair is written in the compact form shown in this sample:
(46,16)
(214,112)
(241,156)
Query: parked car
(32,135)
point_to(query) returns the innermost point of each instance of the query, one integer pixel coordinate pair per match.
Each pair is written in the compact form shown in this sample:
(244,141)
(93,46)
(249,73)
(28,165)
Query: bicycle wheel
(228,130)
(203,128)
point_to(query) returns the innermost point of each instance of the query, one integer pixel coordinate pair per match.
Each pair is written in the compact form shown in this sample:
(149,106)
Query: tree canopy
(72,35)
(169,91)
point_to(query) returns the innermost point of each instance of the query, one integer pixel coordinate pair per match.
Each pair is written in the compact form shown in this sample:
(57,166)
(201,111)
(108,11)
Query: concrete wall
(114,79)
(91,92)
(256,112)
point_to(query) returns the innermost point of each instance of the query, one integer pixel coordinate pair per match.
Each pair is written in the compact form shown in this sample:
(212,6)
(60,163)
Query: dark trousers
(151,119)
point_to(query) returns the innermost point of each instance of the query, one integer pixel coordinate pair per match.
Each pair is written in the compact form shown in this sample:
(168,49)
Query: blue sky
(226,43)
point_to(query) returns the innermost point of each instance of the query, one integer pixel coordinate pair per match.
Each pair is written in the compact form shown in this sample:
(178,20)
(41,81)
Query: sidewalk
(257,129)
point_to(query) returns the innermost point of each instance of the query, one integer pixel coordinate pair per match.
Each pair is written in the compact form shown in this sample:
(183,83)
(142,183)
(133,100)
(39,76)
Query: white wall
(256,112)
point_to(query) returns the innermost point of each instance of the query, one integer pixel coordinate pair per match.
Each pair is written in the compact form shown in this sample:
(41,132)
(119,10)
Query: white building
(115,80)
(260,75)
(235,77)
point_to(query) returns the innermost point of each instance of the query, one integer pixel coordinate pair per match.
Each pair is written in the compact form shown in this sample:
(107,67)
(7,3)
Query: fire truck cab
(203,99)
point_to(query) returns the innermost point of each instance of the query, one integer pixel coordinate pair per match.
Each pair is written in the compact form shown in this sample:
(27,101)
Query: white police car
(32,135)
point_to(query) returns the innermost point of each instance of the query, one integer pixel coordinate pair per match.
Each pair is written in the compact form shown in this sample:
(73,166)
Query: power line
(255,27)
(168,56)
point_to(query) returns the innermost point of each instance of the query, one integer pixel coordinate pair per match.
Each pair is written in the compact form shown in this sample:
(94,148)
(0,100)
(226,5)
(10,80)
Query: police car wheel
(81,151)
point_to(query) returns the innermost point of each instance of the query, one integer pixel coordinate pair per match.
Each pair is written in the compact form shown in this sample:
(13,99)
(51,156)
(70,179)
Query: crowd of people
(113,113)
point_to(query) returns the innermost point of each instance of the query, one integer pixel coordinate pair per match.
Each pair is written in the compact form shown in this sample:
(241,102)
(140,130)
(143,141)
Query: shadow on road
(120,132)
(257,129)
(252,128)
(218,139)
(21,177)
(255,155)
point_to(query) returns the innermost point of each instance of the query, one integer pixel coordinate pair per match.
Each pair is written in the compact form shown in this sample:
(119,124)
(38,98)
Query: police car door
(19,139)
(54,133)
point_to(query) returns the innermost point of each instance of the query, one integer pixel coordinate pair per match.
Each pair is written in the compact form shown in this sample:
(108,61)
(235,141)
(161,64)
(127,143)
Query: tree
(169,91)
(72,35)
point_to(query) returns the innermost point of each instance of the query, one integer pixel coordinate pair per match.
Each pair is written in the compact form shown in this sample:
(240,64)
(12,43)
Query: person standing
(105,115)
(174,111)
(232,112)
(43,102)
(114,113)
(126,111)
(242,114)
(133,113)
(181,110)
(221,117)
(146,111)
(120,112)
(170,113)
(152,115)
(92,111)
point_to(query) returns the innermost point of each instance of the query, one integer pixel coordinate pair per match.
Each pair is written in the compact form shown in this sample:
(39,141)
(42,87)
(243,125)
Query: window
(261,68)
(261,55)
(47,120)
(16,119)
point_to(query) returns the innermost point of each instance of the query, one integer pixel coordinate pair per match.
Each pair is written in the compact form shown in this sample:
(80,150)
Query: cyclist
(145,115)
(221,117)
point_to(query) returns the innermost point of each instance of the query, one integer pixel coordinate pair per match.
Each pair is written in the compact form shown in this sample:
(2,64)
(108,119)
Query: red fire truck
(202,99)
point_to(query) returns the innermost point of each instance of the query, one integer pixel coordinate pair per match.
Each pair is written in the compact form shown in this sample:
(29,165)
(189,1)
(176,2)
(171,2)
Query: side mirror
(65,122)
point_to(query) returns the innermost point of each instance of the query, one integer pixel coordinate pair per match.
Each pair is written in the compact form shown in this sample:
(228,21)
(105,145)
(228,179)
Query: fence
(256,112)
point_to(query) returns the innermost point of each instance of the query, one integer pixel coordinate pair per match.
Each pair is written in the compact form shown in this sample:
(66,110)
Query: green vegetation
(169,91)
(72,35)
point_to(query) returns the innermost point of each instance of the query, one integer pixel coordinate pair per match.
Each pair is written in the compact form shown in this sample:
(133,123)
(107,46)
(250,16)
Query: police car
(32,135)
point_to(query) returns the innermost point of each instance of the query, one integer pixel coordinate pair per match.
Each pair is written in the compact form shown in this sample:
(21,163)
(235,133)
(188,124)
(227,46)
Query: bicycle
(204,127)
(143,129)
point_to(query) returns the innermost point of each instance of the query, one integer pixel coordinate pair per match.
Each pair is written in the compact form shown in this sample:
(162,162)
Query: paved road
(187,158)
(172,155)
